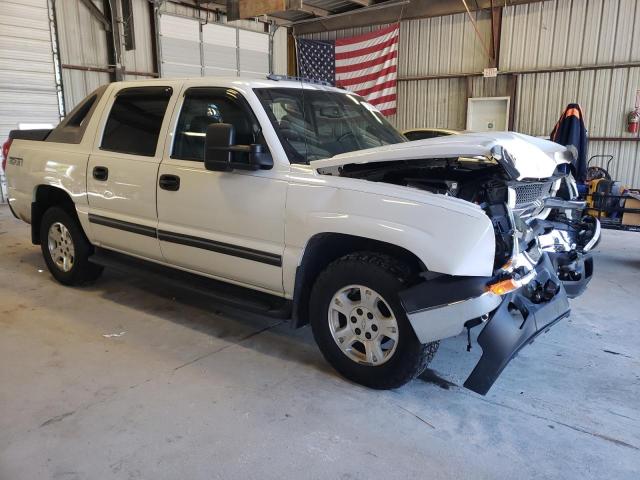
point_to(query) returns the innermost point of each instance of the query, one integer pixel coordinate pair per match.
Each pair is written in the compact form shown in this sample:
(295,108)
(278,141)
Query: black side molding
(122,225)
(219,247)
(190,241)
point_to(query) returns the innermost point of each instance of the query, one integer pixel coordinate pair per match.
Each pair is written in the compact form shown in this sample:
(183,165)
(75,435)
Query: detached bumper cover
(439,308)
(515,323)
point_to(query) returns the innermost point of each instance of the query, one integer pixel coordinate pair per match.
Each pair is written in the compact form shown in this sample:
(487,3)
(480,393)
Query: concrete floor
(186,389)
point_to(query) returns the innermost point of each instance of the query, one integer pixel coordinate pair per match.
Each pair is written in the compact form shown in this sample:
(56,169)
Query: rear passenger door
(123,169)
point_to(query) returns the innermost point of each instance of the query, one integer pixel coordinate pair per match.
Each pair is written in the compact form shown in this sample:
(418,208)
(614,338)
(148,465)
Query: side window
(203,107)
(135,119)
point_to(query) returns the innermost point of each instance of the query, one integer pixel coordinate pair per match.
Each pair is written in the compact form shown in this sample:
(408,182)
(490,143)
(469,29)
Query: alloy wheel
(363,325)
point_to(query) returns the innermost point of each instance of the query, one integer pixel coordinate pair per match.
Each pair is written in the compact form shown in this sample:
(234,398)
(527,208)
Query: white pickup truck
(300,200)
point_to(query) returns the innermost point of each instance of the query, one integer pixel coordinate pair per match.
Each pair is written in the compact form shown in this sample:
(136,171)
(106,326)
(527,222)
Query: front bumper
(443,306)
(516,322)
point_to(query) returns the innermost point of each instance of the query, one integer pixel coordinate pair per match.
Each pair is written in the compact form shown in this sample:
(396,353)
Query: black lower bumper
(574,271)
(515,323)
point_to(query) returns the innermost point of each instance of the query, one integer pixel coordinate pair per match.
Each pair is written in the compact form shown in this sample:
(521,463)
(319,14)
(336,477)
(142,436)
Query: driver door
(229,225)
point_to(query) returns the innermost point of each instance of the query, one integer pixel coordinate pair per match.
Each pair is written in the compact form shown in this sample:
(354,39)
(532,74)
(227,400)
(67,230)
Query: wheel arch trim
(323,248)
(45,196)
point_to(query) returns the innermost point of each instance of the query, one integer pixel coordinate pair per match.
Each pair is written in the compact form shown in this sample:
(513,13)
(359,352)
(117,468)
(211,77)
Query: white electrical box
(488,114)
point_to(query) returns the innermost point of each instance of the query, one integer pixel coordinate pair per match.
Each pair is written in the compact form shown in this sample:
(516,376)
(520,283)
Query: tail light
(5,153)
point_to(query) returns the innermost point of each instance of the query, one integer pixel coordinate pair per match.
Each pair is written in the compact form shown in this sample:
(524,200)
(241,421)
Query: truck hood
(532,157)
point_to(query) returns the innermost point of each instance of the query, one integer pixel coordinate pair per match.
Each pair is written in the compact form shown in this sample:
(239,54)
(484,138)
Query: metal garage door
(28,91)
(180,47)
(220,50)
(189,49)
(253,52)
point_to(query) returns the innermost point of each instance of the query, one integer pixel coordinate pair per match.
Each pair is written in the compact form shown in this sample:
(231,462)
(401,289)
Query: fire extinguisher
(633,121)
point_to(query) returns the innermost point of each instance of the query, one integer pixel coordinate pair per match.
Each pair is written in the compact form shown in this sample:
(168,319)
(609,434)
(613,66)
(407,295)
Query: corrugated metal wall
(140,59)
(577,33)
(554,34)
(27,79)
(82,41)
(85,43)
(430,47)
(570,33)
(437,103)
(443,45)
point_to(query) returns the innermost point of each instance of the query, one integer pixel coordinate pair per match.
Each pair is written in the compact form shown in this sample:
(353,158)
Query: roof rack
(273,76)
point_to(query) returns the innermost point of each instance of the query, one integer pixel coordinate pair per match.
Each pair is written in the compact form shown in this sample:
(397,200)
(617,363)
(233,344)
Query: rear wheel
(66,249)
(360,325)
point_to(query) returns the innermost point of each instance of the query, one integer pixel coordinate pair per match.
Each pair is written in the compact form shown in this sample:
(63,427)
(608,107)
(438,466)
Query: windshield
(321,124)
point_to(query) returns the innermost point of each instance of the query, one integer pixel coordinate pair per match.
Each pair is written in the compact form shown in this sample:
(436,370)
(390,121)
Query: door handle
(169,182)
(100,173)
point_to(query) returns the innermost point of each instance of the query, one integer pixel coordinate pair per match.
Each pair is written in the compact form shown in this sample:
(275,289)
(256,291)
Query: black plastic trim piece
(73,127)
(583,267)
(122,225)
(219,247)
(39,135)
(36,216)
(442,290)
(12,211)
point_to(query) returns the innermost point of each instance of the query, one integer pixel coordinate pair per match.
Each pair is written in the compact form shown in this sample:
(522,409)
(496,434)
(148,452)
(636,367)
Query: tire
(69,242)
(336,295)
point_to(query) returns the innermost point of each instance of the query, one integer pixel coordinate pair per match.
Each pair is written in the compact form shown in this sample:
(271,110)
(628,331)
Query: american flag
(365,64)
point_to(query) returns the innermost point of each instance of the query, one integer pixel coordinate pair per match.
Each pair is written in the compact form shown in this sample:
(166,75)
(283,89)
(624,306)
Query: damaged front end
(542,247)
(542,259)
(524,298)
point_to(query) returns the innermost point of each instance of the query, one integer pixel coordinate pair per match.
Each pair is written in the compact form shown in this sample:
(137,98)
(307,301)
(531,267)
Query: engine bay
(479,180)
(460,177)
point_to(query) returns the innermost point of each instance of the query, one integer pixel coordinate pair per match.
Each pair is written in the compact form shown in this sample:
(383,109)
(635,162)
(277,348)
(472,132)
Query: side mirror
(217,147)
(221,154)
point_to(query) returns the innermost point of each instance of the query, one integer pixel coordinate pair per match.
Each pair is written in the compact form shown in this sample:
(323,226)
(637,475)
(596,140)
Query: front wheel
(360,326)
(66,249)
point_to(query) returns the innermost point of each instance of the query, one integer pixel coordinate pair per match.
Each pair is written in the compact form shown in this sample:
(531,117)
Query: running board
(220,292)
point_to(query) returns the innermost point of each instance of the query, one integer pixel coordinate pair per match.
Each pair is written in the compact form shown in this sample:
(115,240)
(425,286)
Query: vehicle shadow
(202,314)
(198,312)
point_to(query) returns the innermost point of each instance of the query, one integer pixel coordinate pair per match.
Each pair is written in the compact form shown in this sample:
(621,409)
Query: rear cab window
(135,120)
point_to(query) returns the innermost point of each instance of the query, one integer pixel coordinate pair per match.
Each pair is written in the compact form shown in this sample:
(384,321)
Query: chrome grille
(530,197)
(527,193)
